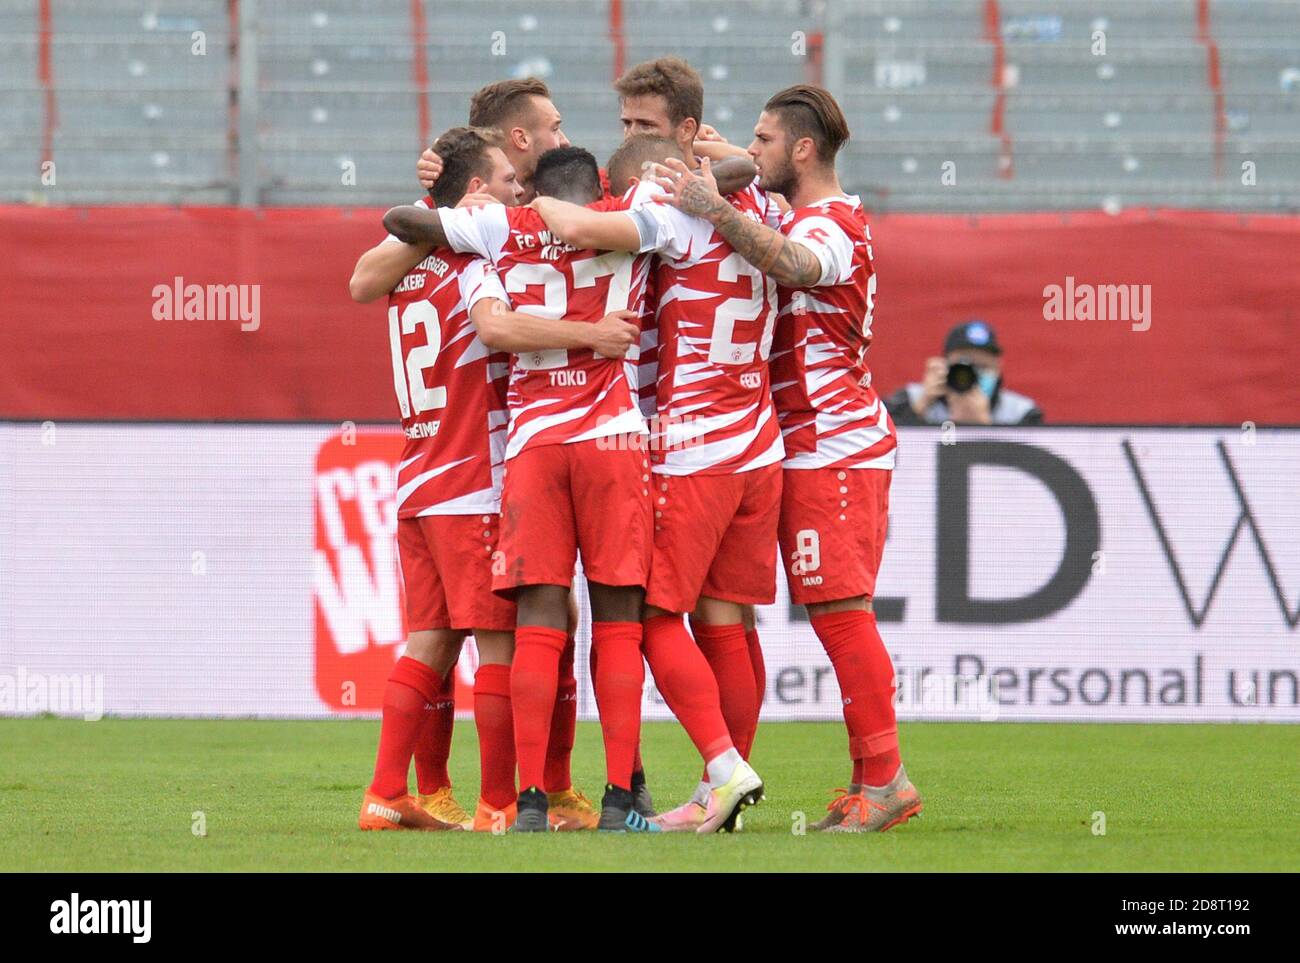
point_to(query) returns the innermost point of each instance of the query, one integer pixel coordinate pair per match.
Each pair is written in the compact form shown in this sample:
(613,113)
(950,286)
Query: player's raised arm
(733,172)
(733,168)
(415,225)
(502,329)
(788,262)
(584,228)
(380,269)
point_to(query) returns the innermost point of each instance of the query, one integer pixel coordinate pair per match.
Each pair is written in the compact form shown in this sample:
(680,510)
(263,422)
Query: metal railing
(126,117)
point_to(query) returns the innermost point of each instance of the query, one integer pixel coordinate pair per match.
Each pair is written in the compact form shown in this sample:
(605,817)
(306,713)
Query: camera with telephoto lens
(962,377)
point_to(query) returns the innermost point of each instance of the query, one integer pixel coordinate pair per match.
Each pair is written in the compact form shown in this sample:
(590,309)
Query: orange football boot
(874,809)
(404,812)
(570,811)
(442,806)
(489,819)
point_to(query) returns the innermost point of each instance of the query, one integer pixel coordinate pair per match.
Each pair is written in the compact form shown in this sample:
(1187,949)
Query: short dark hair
(465,153)
(671,78)
(567,172)
(505,103)
(632,155)
(809,111)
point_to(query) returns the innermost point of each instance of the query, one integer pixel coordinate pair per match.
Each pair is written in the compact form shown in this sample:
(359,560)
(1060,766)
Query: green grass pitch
(121,795)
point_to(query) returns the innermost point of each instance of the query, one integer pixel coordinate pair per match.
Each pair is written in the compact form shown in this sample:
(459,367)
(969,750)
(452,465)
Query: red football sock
(433,747)
(866,677)
(534,678)
(564,720)
(760,680)
(496,735)
(686,682)
(619,677)
(411,687)
(725,648)
(591,666)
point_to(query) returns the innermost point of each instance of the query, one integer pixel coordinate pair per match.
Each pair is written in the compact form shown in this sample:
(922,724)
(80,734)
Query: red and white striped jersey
(558,396)
(716,313)
(830,414)
(450,389)
(647,364)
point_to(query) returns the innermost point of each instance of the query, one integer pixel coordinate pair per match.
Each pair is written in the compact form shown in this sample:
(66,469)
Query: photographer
(964,386)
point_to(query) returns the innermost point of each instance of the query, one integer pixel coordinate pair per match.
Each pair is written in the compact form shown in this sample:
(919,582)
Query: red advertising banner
(224,314)
(360,601)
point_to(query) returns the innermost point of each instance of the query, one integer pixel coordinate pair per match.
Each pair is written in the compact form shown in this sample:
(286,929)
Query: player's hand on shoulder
(429,168)
(691,192)
(708,132)
(614,334)
(660,175)
(477,200)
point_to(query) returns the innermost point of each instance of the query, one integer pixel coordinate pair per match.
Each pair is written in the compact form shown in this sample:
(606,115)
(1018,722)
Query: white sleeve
(479,280)
(833,248)
(476,230)
(664,229)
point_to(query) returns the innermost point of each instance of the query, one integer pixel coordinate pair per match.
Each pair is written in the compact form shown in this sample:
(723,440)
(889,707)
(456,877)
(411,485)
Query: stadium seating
(955,104)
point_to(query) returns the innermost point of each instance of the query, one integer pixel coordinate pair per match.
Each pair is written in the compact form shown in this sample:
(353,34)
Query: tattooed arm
(787,262)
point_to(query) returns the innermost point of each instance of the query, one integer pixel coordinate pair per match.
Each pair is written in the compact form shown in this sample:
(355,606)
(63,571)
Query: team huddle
(657,368)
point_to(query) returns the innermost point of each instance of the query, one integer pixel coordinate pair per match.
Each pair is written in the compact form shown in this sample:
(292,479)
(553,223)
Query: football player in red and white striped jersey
(665,98)
(576,460)
(450,325)
(839,438)
(716,449)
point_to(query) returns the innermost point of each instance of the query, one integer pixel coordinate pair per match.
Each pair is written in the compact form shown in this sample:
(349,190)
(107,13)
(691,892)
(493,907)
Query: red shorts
(588,497)
(715,535)
(447,569)
(833,525)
